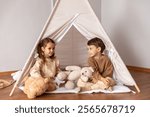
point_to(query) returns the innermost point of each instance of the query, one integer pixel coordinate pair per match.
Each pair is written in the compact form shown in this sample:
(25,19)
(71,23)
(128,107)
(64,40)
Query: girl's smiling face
(49,50)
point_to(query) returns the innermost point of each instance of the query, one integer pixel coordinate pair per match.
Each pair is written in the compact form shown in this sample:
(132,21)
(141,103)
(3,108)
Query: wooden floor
(142,79)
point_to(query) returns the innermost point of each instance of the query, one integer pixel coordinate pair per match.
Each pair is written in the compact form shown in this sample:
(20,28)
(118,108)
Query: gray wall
(127,22)
(21,22)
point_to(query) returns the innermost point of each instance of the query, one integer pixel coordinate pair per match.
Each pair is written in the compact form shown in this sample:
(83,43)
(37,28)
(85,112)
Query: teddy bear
(34,87)
(86,75)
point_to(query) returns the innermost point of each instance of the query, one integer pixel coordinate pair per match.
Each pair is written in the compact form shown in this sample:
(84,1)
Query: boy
(101,64)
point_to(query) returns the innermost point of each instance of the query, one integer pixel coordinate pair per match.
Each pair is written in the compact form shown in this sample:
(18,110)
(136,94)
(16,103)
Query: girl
(46,65)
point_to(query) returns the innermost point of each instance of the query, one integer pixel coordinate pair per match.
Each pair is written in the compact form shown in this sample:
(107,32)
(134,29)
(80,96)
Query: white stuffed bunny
(74,75)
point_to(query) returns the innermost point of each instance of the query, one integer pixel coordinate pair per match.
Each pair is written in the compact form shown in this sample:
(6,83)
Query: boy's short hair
(97,42)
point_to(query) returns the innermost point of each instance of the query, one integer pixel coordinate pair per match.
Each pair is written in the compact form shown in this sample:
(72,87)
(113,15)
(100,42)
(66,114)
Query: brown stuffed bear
(37,86)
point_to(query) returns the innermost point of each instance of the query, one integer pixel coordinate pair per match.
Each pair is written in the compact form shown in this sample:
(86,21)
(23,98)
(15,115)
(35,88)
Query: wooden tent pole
(137,88)
(33,50)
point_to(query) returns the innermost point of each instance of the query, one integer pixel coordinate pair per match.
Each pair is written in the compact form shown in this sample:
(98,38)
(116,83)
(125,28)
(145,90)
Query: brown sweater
(102,67)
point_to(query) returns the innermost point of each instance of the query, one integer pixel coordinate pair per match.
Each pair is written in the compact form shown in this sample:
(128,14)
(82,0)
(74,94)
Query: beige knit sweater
(47,70)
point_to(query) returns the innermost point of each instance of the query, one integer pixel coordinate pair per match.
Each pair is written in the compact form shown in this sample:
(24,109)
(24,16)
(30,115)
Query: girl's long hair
(41,44)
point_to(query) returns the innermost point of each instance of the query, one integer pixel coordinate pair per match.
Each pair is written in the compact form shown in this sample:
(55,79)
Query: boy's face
(93,50)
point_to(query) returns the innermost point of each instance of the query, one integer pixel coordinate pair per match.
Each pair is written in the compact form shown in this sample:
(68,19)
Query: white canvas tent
(71,24)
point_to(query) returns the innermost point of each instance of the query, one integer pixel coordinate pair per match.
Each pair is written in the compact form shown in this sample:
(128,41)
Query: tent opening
(72,49)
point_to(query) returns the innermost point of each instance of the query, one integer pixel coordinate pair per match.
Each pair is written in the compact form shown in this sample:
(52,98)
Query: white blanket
(116,89)
(119,88)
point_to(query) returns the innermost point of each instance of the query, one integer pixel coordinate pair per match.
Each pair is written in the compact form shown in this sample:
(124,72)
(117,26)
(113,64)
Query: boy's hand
(106,81)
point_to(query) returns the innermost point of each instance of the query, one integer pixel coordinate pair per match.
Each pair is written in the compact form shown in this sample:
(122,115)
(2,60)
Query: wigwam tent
(71,23)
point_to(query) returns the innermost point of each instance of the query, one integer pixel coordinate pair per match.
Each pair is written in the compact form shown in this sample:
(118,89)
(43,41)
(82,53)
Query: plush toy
(37,86)
(73,76)
(61,78)
(86,74)
(70,85)
(73,68)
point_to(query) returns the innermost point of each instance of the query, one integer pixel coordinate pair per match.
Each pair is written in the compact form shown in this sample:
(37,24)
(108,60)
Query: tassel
(5,83)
